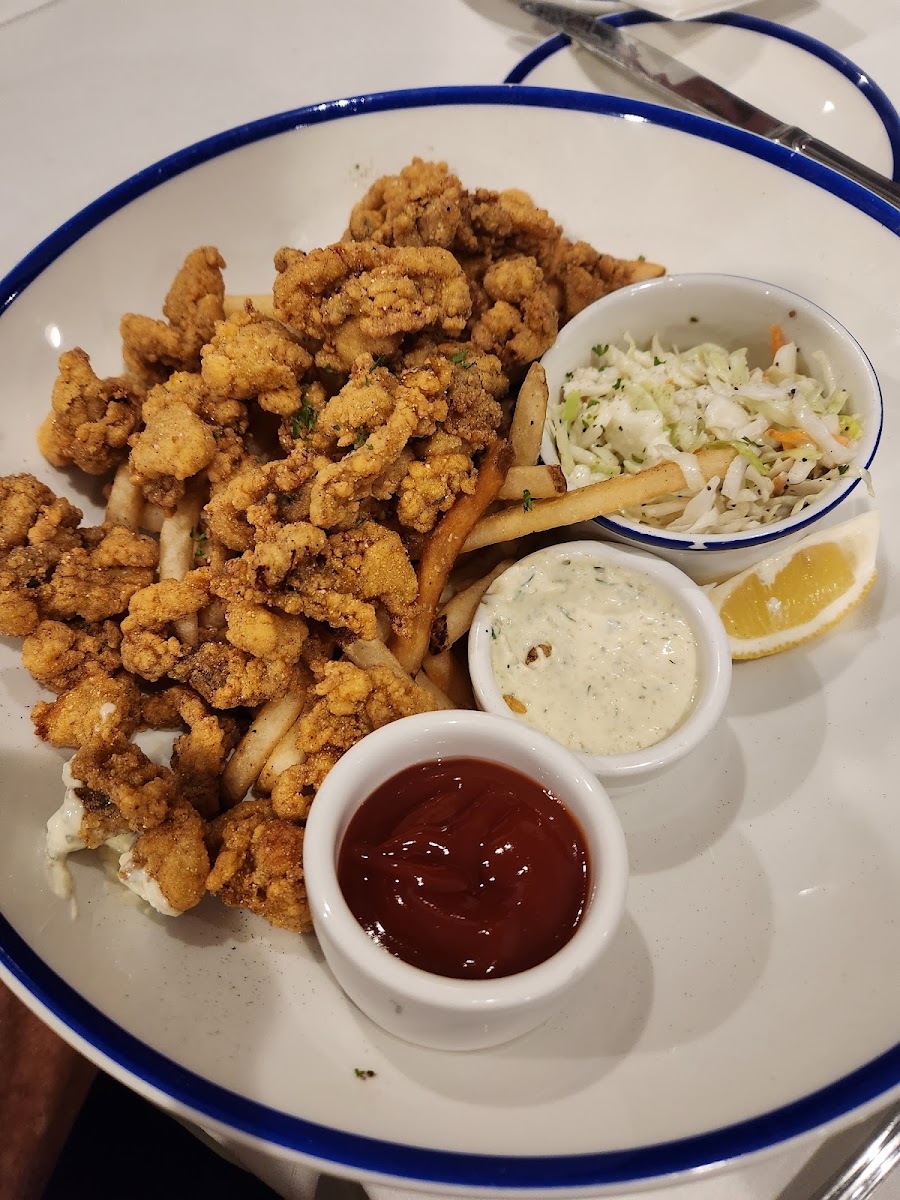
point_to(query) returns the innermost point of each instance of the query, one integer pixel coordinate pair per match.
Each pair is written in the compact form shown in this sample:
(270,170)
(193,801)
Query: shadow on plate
(710,931)
(675,817)
(600,1023)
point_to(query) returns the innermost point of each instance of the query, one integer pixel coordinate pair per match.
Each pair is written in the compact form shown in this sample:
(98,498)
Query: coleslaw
(795,434)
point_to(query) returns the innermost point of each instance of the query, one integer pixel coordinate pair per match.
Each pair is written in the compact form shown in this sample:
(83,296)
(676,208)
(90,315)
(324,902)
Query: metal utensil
(675,79)
(868,1168)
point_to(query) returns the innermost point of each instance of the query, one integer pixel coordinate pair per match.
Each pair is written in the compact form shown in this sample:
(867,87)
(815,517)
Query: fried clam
(356,298)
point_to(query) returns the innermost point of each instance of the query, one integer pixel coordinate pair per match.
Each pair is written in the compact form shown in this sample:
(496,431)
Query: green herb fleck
(360,1073)
(336,428)
(304,418)
(843,469)
(494,633)
(461,359)
(617,385)
(657,362)
(693,320)
(642,258)
(599,350)
(360,438)
(200,545)
(527,501)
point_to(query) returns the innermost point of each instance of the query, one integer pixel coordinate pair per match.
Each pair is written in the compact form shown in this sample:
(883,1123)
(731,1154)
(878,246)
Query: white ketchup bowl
(434,1010)
(713,681)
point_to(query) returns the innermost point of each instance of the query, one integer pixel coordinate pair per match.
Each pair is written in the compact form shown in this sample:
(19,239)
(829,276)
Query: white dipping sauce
(602,657)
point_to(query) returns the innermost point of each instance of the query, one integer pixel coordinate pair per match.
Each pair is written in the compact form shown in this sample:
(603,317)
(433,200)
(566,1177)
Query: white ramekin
(432,1010)
(734,311)
(714,672)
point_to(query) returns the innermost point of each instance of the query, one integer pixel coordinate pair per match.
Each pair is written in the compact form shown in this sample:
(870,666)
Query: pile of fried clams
(306,448)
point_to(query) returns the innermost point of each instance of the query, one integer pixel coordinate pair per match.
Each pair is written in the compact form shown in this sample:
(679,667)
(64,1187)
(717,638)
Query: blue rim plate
(134,1062)
(860,79)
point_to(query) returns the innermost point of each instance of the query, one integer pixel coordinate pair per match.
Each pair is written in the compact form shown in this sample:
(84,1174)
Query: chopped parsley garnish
(617,385)
(304,418)
(200,545)
(527,501)
(843,468)
(461,359)
(360,438)
(642,258)
(657,362)
(599,350)
(361,1073)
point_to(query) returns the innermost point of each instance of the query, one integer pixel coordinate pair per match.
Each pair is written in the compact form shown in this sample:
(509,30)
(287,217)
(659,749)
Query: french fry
(595,500)
(270,724)
(441,551)
(448,674)
(455,617)
(126,502)
(286,754)
(441,699)
(374,653)
(237,302)
(527,427)
(176,553)
(152,518)
(540,483)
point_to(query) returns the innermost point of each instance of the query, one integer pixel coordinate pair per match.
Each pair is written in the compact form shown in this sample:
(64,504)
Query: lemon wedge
(800,592)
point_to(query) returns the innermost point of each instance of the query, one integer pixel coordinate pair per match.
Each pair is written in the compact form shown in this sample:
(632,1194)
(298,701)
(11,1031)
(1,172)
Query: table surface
(92,91)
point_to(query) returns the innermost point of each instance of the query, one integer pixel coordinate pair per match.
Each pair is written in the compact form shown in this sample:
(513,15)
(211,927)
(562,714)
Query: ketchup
(465,868)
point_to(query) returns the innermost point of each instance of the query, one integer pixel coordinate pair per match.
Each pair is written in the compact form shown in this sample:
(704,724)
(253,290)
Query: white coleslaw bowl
(416,1005)
(714,664)
(733,311)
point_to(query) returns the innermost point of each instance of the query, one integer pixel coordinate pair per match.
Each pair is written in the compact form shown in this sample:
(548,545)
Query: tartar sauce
(599,656)
(64,838)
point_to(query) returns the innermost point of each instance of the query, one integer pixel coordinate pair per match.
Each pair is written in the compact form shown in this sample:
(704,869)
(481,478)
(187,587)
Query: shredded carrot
(789,437)
(777,338)
(799,437)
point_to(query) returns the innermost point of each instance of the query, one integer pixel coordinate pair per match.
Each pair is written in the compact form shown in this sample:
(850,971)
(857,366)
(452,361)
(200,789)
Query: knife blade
(672,78)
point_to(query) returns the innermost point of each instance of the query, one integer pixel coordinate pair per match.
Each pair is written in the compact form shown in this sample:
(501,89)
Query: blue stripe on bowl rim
(132,1060)
(860,79)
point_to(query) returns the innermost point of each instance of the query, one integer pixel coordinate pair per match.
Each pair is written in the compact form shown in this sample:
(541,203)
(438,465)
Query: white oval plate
(752,992)
(798,78)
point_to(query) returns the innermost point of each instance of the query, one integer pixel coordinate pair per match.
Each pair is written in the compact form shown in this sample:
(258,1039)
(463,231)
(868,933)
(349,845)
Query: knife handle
(821,152)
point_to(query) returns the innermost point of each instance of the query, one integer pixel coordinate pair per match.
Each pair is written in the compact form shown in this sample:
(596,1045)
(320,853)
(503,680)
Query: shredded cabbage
(795,434)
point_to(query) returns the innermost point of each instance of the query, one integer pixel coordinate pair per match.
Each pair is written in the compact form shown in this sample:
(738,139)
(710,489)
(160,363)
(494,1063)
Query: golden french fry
(595,500)
(527,427)
(269,726)
(441,550)
(456,616)
(176,553)
(152,518)
(286,754)
(237,302)
(441,699)
(447,673)
(374,653)
(126,502)
(540,483)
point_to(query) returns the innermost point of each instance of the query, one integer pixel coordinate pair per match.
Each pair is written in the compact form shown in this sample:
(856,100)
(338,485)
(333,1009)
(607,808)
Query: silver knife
(674,79)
